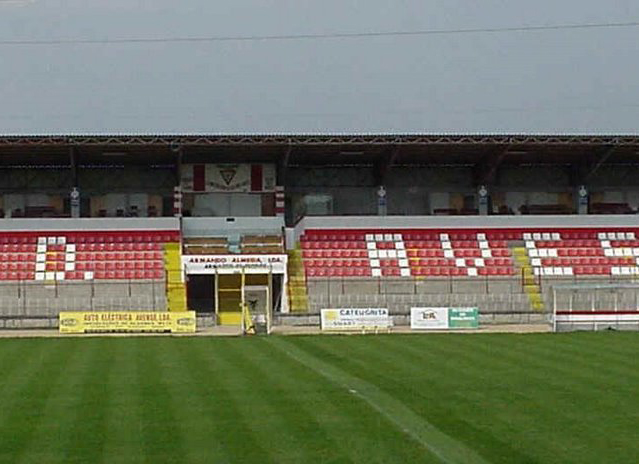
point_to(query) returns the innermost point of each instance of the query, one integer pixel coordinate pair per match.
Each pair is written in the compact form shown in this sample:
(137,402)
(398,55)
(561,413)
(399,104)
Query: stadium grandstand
(295,224)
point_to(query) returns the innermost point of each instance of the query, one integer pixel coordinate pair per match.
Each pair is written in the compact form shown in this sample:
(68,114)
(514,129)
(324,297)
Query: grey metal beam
(319,140)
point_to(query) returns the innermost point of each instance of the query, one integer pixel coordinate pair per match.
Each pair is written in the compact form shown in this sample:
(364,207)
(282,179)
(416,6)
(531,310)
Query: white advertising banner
(444,318)
(231,264)
(355,319)
(429,318)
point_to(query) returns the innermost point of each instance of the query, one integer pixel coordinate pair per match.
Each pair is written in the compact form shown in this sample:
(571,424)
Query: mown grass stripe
(12,357)
(192,399)
(160,431)
(26,395)
(220,384)
(445,448)
(271,411)
(86,434)
(123,419)
(64,418)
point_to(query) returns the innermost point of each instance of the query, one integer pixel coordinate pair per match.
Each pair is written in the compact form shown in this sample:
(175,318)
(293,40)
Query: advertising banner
(429,318)
(444,318)
(463,318)
(127,321)
(355,319)
(228,264)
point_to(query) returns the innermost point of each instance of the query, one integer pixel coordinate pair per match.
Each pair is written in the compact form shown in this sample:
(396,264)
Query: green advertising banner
(463,318)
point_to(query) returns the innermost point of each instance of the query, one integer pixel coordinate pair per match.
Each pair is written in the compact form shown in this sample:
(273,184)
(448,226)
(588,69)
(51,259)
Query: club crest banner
(228,178)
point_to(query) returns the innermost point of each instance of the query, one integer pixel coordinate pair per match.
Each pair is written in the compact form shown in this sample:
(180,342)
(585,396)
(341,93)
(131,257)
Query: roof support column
(282,166)
(74,192)
(383,165)
(74,166)
(179,155)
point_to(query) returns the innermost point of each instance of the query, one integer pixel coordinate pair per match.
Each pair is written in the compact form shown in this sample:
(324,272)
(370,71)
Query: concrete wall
(33,299)
(216,226)
(494,295)
(88,224)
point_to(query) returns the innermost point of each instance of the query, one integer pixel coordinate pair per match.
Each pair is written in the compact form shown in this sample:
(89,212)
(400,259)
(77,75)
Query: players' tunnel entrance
(236,287)
(227,295)
(200,293)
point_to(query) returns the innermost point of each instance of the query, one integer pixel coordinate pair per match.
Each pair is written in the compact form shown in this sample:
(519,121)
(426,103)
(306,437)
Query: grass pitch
(542,398)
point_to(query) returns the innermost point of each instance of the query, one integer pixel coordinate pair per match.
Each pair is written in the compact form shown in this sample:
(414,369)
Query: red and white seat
(458,254)
(593,253)
(403,254)
(83,256)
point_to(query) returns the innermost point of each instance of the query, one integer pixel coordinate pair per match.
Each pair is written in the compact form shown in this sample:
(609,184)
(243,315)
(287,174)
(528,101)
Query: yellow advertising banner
(127,321)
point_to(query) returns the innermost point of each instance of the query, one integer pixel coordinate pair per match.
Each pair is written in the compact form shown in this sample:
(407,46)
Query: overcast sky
(564,81)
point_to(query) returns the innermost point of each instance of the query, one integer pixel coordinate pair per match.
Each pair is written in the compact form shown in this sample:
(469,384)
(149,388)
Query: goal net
(595,306)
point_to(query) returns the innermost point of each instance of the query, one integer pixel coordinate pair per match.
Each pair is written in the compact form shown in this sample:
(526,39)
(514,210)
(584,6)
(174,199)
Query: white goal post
(595,306)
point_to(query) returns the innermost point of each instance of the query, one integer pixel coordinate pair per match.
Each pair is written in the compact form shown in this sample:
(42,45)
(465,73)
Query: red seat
(148,265)
(157,274)
(348,271)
